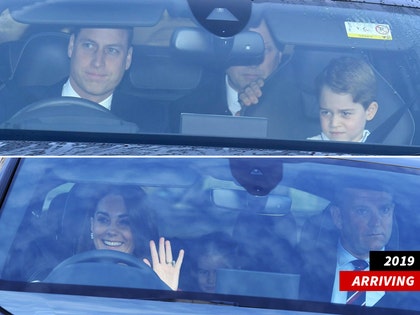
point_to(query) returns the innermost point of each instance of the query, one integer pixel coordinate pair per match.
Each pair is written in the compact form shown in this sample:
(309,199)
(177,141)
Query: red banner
(379,280)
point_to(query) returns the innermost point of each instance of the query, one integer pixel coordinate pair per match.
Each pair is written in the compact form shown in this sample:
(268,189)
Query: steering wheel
(68,114)
(106,268)
(104,255)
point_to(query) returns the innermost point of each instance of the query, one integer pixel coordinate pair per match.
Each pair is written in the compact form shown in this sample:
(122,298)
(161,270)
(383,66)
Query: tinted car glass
(250,227)
(186,54)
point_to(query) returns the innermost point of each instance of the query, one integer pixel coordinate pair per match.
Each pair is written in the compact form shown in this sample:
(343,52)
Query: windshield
(286,74)
(258,232)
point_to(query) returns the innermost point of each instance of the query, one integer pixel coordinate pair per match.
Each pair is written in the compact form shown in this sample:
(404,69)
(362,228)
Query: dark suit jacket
(280,103)
(150,116)
(208,98)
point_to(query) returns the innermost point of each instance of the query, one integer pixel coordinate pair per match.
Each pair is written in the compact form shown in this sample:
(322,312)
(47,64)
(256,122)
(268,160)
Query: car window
(251,228)
(297,75)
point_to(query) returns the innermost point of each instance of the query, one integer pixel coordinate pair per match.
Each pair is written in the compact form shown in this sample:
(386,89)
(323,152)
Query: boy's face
(341,118)
(206,274)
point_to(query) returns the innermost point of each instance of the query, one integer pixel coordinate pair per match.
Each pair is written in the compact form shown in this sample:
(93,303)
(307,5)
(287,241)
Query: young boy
(347,92)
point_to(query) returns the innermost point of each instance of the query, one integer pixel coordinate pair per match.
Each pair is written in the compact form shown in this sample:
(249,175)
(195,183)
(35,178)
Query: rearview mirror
(241,200)
(246,48)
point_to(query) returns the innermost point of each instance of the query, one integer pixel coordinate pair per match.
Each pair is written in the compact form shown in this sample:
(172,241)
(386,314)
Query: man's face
(241,76)
(99,58)
(341,118)
(364,219)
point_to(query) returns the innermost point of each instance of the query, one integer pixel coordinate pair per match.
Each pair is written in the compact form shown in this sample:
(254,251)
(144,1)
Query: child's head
(347,92)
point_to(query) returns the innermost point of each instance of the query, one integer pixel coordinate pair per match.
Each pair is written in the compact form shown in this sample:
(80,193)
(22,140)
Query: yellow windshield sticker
(368,30)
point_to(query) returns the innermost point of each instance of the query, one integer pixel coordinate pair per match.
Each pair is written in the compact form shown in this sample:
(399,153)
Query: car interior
(286,210)
(55,231)
(205,179)
(163,74)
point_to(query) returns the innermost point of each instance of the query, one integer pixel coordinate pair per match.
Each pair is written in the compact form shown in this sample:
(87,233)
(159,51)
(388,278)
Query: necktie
(357,297)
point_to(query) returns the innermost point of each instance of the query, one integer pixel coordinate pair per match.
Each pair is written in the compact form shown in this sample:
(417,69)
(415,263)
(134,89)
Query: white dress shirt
(69,91)
(232,99)
(322,136)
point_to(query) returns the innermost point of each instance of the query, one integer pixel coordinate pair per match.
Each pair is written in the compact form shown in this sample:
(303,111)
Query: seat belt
(383,130)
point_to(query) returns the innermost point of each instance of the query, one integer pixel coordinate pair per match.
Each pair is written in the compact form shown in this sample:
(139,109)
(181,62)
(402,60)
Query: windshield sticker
(368,30)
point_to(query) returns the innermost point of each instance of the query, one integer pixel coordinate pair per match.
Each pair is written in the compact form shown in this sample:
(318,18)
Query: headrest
(156,70)
(42,60)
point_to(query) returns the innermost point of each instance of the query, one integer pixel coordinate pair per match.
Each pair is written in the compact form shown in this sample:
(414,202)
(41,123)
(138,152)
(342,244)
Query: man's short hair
(362,183)
(256,20)
(130,31)
(349,75)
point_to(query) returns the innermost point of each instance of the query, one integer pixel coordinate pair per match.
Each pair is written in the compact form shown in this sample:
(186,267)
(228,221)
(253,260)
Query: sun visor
(92,12)
(141,171)
(340,27)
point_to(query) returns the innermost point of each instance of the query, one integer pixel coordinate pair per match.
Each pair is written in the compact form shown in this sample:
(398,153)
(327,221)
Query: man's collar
(69,91)
(344,257)
(232,98)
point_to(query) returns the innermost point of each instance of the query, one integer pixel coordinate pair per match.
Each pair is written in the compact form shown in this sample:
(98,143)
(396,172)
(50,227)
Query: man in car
(261,90)
(363,214)
(99,58)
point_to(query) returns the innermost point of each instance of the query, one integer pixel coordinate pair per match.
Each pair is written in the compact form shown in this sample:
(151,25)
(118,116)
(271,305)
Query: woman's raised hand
(163,263)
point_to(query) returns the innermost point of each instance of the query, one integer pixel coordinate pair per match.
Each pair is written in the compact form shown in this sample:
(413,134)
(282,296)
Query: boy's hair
(348,75)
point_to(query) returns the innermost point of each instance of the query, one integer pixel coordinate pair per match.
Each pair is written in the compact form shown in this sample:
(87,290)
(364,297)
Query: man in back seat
(266,90)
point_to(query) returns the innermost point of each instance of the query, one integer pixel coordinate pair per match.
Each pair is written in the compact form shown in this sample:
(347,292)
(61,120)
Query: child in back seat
(347,93)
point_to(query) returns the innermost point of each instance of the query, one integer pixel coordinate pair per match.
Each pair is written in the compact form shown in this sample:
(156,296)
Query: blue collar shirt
(344,259)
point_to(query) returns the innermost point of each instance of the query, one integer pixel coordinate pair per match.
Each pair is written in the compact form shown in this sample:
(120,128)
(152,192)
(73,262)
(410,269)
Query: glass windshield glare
(303,70)
(244,227)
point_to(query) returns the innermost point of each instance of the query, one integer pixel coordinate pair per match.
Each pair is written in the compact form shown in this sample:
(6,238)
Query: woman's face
(110,225)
